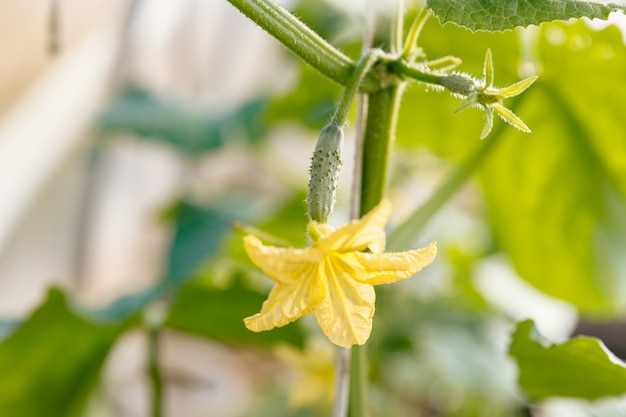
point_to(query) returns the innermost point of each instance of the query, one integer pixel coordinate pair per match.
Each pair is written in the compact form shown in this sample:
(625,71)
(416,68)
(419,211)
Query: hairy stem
(301,40)
(361,69)
(404,69)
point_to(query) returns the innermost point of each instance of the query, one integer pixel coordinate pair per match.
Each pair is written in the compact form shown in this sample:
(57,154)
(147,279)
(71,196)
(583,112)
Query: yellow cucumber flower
(334,277)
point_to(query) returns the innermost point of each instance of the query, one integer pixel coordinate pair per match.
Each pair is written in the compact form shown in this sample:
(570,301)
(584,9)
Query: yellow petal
(390,267)
(345,315)
(282,265)
(286,303)
(367,232)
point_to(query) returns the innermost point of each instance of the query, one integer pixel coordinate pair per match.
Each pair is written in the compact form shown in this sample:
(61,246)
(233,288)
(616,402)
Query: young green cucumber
(324,173)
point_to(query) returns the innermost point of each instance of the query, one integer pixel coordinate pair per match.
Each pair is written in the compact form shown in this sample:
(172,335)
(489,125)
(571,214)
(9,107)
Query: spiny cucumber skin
(324,173)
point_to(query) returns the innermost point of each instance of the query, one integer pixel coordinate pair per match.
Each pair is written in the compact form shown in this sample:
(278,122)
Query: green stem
(403,236)
(380,127)
(359,404)
(380,131)
(352,86)
(301,40)
(383,107)
(154,318)
(156,379)
(405,69)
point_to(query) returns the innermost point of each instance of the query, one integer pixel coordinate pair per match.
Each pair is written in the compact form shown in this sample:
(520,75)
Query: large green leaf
(218,314)
(50,364)
(498,15)
(555,196)
(582,367)
(552,194)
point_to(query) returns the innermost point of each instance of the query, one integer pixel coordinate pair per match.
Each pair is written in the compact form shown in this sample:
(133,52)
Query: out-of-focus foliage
(582,367)
(218,314)
(52,361)
(7,326)
(191,130)
(197,239)
(303,104)
(550,194)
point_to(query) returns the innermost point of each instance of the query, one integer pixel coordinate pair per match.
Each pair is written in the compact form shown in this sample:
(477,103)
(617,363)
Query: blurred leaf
(497,15)
(290,221)
(310,102)
(199,233)
(124,307)
(218,314)
(582,367)
(547,192)
(193,131)
(550,193)
(466,293)
(50,364)
(7,326)
(417,340)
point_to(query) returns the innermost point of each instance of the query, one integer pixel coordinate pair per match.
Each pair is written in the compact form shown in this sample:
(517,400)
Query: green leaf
(7,326)
(551,193)
(499,15)
(556,197)
(125,307)
(582,367)
(218,314)
(199,232)
(193,131)
(290,221)
(50,364)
